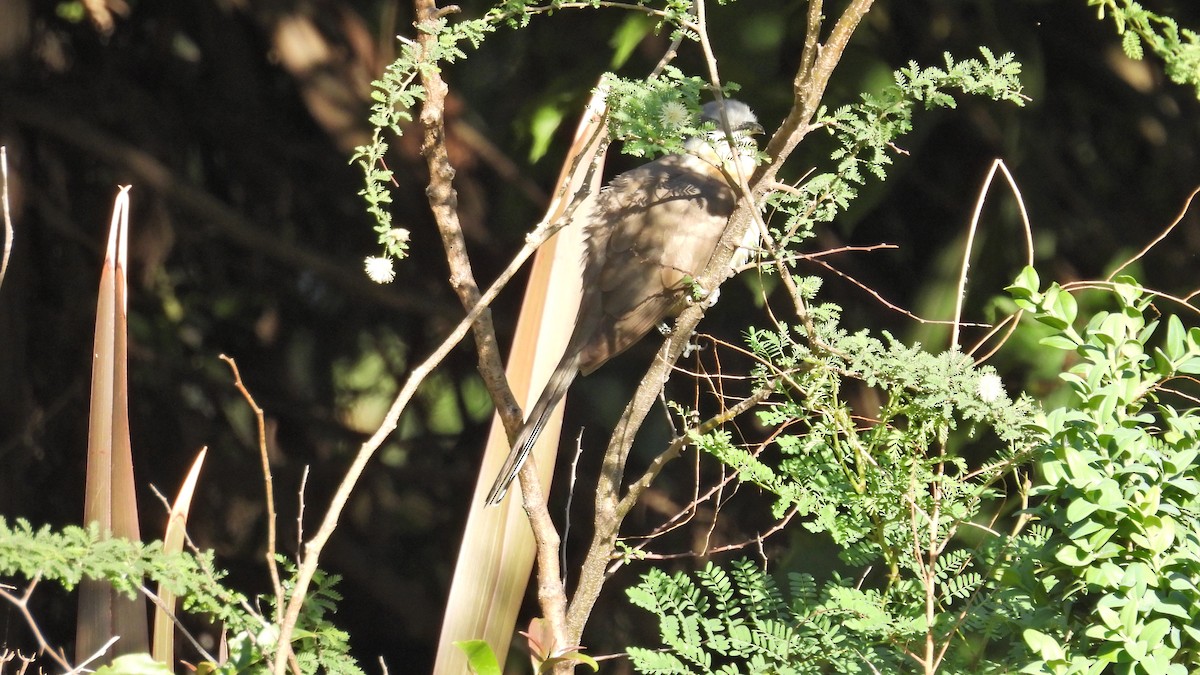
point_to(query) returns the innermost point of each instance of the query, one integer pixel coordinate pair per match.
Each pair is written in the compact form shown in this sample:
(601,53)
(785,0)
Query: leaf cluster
(865,133)
(656,115)
(1121,496)
(739,622)
(395,95)
(889,491)
(1104,577)
(74,553)
(320,645)
(1139,28)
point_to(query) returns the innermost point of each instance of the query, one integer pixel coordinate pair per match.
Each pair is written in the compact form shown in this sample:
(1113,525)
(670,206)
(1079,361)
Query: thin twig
(574,473)
(22,605)
(677,445)
(310,552)
(268,483)
(1187,204)
(668,56)
(170,612)
(101,651)
(643,9)
(884,301)
(300,514)
(756,540)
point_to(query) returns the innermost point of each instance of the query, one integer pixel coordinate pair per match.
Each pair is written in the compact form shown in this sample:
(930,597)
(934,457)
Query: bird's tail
(555,389)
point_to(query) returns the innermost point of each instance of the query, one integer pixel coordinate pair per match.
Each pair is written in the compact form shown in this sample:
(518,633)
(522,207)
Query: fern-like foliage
(396,94)
(654,116)
(74,553)
(1139,27)
(737,622)
(866,132)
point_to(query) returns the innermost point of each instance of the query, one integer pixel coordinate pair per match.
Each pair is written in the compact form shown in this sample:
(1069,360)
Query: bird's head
(715,146)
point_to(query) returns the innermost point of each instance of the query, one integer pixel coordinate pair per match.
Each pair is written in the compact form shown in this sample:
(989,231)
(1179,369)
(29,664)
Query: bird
(648,234)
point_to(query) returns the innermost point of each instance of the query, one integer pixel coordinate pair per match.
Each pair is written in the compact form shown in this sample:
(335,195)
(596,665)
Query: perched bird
(647,235)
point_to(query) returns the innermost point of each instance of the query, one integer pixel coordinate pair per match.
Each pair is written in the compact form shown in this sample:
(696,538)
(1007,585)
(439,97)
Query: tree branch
(443,201)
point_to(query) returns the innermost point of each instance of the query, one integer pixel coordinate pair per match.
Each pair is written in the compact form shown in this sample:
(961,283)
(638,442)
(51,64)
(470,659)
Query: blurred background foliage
(234,119)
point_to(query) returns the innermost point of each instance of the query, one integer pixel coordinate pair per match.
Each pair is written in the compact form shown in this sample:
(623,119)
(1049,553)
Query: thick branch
(552,596)
(809,86)
(443,201)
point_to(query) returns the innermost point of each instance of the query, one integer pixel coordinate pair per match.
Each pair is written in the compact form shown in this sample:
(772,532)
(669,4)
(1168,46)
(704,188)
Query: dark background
(248,240)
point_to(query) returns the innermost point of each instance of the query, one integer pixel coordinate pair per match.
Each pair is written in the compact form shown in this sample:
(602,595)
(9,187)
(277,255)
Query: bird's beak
(752,128)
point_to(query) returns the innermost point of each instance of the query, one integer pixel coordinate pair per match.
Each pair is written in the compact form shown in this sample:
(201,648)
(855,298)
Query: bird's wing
(654,227)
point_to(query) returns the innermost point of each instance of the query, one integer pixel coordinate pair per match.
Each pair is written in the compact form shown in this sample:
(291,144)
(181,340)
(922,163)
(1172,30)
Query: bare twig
(443,201)
(1187,204)
(268,484)
(170,612)
(101,651)
(668,56)
(477,305)
(551,594)
(677,445)
(566,535)
(756,540)
(882,300)
(300,515)
(632,7)
(22,605)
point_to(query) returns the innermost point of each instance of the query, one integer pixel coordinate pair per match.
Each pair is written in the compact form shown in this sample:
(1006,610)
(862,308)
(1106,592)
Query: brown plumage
(650,231)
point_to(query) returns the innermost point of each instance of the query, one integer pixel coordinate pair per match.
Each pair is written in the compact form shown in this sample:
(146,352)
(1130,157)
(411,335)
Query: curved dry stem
(960,297)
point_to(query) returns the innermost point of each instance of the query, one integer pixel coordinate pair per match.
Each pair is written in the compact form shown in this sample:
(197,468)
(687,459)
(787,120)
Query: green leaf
(1052,303)
(1059,342)
(545,122)
(1080,508)
(628,36)
(1043,645)
(1026,285)
(1154,632)
(1132,45)
(1072,556)
(549,664)
(1064,307)
(480,657)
